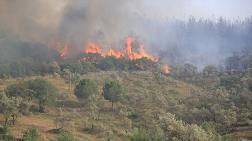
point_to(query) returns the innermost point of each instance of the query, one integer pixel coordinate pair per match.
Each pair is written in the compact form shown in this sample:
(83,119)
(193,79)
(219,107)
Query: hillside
(146,92)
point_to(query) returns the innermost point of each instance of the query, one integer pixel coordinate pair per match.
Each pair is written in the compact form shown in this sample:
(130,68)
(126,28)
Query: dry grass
(243,134)
(143,85)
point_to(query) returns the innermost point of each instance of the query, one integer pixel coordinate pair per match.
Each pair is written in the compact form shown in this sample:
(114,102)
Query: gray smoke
(108,22)
(97,20)
(32,20)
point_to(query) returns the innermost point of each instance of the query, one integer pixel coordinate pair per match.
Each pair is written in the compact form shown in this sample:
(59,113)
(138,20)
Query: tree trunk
(99,115)
(70,82)
(92,126)
(41,108)
(6,121)
(113,107)
(13,119)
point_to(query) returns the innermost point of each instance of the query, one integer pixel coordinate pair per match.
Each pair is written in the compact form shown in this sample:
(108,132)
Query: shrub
(142,135)
(66,137)
(4,134)
(134,115)
(3,130)
(139,135)
(31,135)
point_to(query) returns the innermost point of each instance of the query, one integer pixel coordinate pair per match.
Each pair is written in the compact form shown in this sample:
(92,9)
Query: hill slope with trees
(149,106)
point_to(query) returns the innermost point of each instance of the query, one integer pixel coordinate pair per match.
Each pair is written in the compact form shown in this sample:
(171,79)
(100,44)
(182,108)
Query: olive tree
(9,107)
(38,89)
(113,92)
(43,91)
(85,89)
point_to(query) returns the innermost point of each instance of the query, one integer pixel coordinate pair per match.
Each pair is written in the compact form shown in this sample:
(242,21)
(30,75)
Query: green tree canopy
(16,90)
(85,88)
(112,91)
(9,107)
(43,90)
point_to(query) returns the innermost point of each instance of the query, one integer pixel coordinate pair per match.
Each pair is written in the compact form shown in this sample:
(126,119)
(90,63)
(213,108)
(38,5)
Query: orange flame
(64,51)
(114,53)
(166,69)
(92,48)
(126,53)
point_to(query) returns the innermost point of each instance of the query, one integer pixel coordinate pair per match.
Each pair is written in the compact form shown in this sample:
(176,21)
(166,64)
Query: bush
(16,90)
(94,128)
(8,138)
(3,130)
(134,115)
(139,135)
(31,135)
(177,129)
(108,63)
(4,134)
(142,135)
(66,137)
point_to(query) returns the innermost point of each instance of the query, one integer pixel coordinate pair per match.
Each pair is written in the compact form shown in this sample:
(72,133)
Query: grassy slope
(147,92)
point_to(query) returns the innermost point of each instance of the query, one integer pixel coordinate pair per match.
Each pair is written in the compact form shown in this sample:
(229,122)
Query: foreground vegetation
(151,106)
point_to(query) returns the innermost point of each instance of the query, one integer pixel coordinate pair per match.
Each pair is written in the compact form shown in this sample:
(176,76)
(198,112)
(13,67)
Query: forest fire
(127,53)
(92,48)
(64,51)
(132,51)
(166,69)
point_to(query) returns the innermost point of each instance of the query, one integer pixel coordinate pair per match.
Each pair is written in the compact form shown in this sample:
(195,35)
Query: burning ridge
(127,53)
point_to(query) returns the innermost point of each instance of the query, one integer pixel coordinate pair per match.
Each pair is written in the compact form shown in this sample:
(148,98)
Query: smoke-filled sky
(182,9)
(26,17)
(110,21)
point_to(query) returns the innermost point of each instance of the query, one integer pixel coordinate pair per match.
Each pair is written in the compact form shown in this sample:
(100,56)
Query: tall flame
(128,52)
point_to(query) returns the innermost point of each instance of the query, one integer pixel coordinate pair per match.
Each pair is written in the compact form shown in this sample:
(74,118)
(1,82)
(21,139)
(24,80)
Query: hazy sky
(231,9)
(47,17)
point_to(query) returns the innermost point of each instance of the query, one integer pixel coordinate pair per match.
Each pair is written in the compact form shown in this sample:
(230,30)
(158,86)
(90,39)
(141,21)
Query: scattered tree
(10,108)
(44,92)
(85,89)
(113,92)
